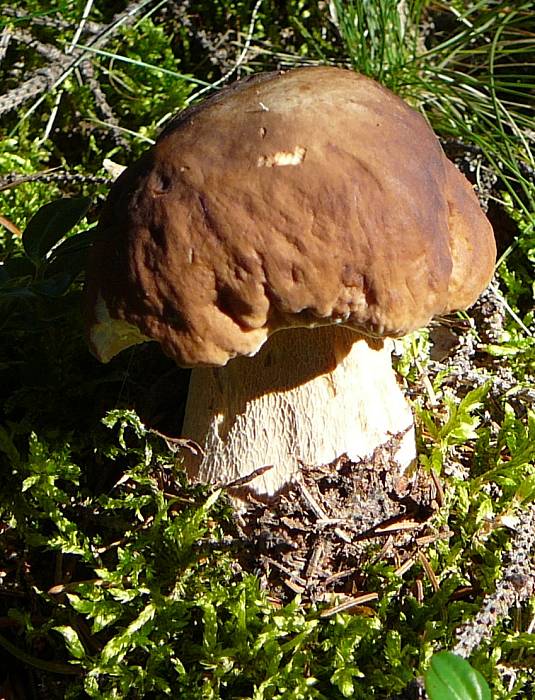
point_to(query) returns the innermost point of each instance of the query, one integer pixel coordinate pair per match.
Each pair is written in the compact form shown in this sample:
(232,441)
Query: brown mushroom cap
(303,198)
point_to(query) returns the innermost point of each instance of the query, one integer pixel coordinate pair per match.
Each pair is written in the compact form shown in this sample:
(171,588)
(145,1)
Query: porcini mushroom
(276,238)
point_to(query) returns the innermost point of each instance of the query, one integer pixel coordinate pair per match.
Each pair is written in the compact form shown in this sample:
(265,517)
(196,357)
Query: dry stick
(88,72)
(40,82)
(50,78)
(349,604)
(47,21)
(28,659)
(407,564)
(13,180)
(424,561)
(39,79)
(5,38)
(292,574)
(314,505)
(108,115)
(15,230)
(339,575)
(174,443)
(86,68)
(243,480)
(314,560)
(69,51)
(240,59)
(516,585)
(49,51)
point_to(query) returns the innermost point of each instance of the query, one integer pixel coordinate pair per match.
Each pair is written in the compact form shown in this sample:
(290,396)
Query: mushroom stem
(307,397)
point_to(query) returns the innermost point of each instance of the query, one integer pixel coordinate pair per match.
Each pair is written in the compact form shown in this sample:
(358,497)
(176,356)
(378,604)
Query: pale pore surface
(307,397)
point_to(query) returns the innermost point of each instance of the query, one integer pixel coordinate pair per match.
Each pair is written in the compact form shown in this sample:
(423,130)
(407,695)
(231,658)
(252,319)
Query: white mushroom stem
(307,397)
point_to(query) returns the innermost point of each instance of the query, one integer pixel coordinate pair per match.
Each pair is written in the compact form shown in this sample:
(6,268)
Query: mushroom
(275,239)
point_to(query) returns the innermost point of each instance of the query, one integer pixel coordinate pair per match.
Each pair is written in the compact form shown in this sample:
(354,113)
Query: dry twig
(516,586)
(50,77)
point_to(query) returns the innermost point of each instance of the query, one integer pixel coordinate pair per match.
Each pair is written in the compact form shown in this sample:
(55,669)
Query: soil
(315,538)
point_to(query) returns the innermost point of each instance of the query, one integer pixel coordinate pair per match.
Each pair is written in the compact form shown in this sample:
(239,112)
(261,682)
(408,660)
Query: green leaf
(521,640)
(526,490)
(178,666)
(74,645)
(66,262)
(117,647)
(450,677)
(50,224)
(461,424)
(70,256)
(55,286)
(30,481)
(7,446)
(17,293)
(16,268)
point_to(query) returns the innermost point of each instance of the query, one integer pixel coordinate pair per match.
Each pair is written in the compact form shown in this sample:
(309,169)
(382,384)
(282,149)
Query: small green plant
(44,266)
(459,425)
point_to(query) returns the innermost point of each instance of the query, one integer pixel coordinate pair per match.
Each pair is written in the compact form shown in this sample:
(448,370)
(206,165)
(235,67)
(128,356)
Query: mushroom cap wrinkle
(303,198)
